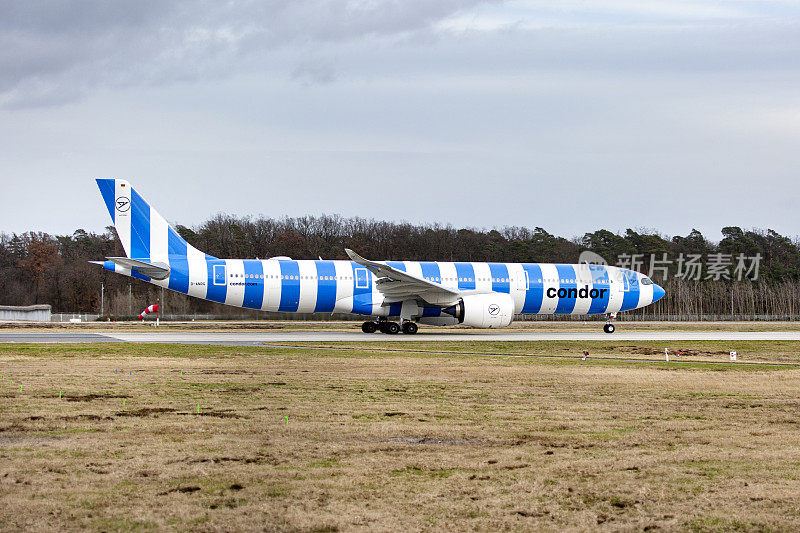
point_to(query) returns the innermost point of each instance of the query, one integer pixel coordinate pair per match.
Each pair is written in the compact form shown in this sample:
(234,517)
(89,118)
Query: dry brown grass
(387,441)
(710,352)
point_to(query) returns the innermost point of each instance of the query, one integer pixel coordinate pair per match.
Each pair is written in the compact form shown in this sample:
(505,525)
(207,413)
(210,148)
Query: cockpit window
(647,281)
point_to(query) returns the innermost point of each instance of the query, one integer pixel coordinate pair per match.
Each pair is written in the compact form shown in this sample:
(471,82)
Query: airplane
(395,295)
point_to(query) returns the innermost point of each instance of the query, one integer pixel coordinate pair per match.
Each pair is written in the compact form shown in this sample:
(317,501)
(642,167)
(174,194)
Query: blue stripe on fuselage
(500,282)
(431,311)
(397,265)
(178,263)
(430,271)
(216,292)
(600,281)
(566,278)
(631,297)
(465,273)
(290,286)
(396,307)
(253,284)
(326,286)
(362,295)
(535,293)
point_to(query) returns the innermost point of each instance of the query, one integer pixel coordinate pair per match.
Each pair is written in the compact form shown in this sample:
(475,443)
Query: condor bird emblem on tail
(123,204)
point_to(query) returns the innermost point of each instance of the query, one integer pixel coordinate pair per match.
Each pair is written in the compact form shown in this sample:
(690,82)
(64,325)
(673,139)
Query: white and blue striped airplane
(396,295)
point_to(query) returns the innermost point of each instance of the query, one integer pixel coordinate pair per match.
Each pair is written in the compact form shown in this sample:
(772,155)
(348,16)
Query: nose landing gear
(609,327)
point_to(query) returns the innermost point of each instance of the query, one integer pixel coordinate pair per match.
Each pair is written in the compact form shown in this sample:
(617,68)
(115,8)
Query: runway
(259,338)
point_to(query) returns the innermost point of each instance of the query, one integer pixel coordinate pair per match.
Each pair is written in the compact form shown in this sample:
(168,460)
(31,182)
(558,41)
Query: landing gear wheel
(609,328)
(410,328)
(392,328)
(369,327)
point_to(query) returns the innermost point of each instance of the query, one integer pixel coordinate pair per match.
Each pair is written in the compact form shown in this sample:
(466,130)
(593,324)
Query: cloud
(51,52)
(314,72)
(55,52)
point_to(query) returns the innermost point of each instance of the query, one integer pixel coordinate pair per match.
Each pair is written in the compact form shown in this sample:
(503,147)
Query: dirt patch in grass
(146,411)
(433,440)
(258,459)
(183,490)
(91,397)
(216,414)
(89,417)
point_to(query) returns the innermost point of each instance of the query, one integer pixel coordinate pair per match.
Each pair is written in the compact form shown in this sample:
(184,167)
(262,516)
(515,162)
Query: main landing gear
(609,327)
(391,328)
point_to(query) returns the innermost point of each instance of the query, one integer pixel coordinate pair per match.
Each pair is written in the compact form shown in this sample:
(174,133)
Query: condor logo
(573,292)
(123,204)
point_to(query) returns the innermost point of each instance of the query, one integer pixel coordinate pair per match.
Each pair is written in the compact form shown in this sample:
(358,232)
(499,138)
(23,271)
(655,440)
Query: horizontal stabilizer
(157,271)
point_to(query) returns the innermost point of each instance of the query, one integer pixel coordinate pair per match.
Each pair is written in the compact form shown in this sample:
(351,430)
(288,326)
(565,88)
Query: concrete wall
(74,317)
(31,313)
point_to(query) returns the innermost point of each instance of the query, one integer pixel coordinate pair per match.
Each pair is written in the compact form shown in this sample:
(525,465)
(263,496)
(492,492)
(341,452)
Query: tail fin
(145,235)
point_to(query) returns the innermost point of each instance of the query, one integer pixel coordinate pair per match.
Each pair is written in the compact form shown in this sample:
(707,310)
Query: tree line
(37,267)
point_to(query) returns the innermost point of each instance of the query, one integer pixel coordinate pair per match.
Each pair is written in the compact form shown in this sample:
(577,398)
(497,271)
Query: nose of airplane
(658,292)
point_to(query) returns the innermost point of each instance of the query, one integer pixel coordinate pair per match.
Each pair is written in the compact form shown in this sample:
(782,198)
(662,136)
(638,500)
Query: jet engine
(494,310)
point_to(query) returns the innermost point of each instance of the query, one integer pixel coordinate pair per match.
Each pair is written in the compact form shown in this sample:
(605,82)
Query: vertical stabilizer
(145,235)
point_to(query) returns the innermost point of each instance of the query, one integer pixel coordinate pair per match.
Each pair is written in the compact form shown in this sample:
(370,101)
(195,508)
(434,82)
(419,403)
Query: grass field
(124,437)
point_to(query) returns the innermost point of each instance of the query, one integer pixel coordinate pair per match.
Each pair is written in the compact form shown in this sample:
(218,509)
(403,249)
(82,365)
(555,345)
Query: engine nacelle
(494,310)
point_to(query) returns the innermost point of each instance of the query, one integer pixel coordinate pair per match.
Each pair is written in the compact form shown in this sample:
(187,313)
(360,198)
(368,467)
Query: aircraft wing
(151,270)
(396,285)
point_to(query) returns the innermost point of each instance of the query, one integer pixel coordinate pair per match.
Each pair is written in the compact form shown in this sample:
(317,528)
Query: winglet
(374,267)
(355,257)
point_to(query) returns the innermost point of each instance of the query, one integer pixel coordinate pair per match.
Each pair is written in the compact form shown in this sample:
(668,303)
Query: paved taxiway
(258,338)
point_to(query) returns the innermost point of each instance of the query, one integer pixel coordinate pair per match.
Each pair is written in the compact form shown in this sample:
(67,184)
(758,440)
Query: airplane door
(523,285)
(219,275)
(524,281)
(631,282)
(362,278)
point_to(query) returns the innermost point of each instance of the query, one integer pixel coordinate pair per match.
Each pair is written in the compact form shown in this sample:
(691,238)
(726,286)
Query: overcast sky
(570,115)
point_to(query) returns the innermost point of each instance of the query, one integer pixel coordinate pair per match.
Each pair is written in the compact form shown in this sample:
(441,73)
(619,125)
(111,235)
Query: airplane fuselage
(308,286)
